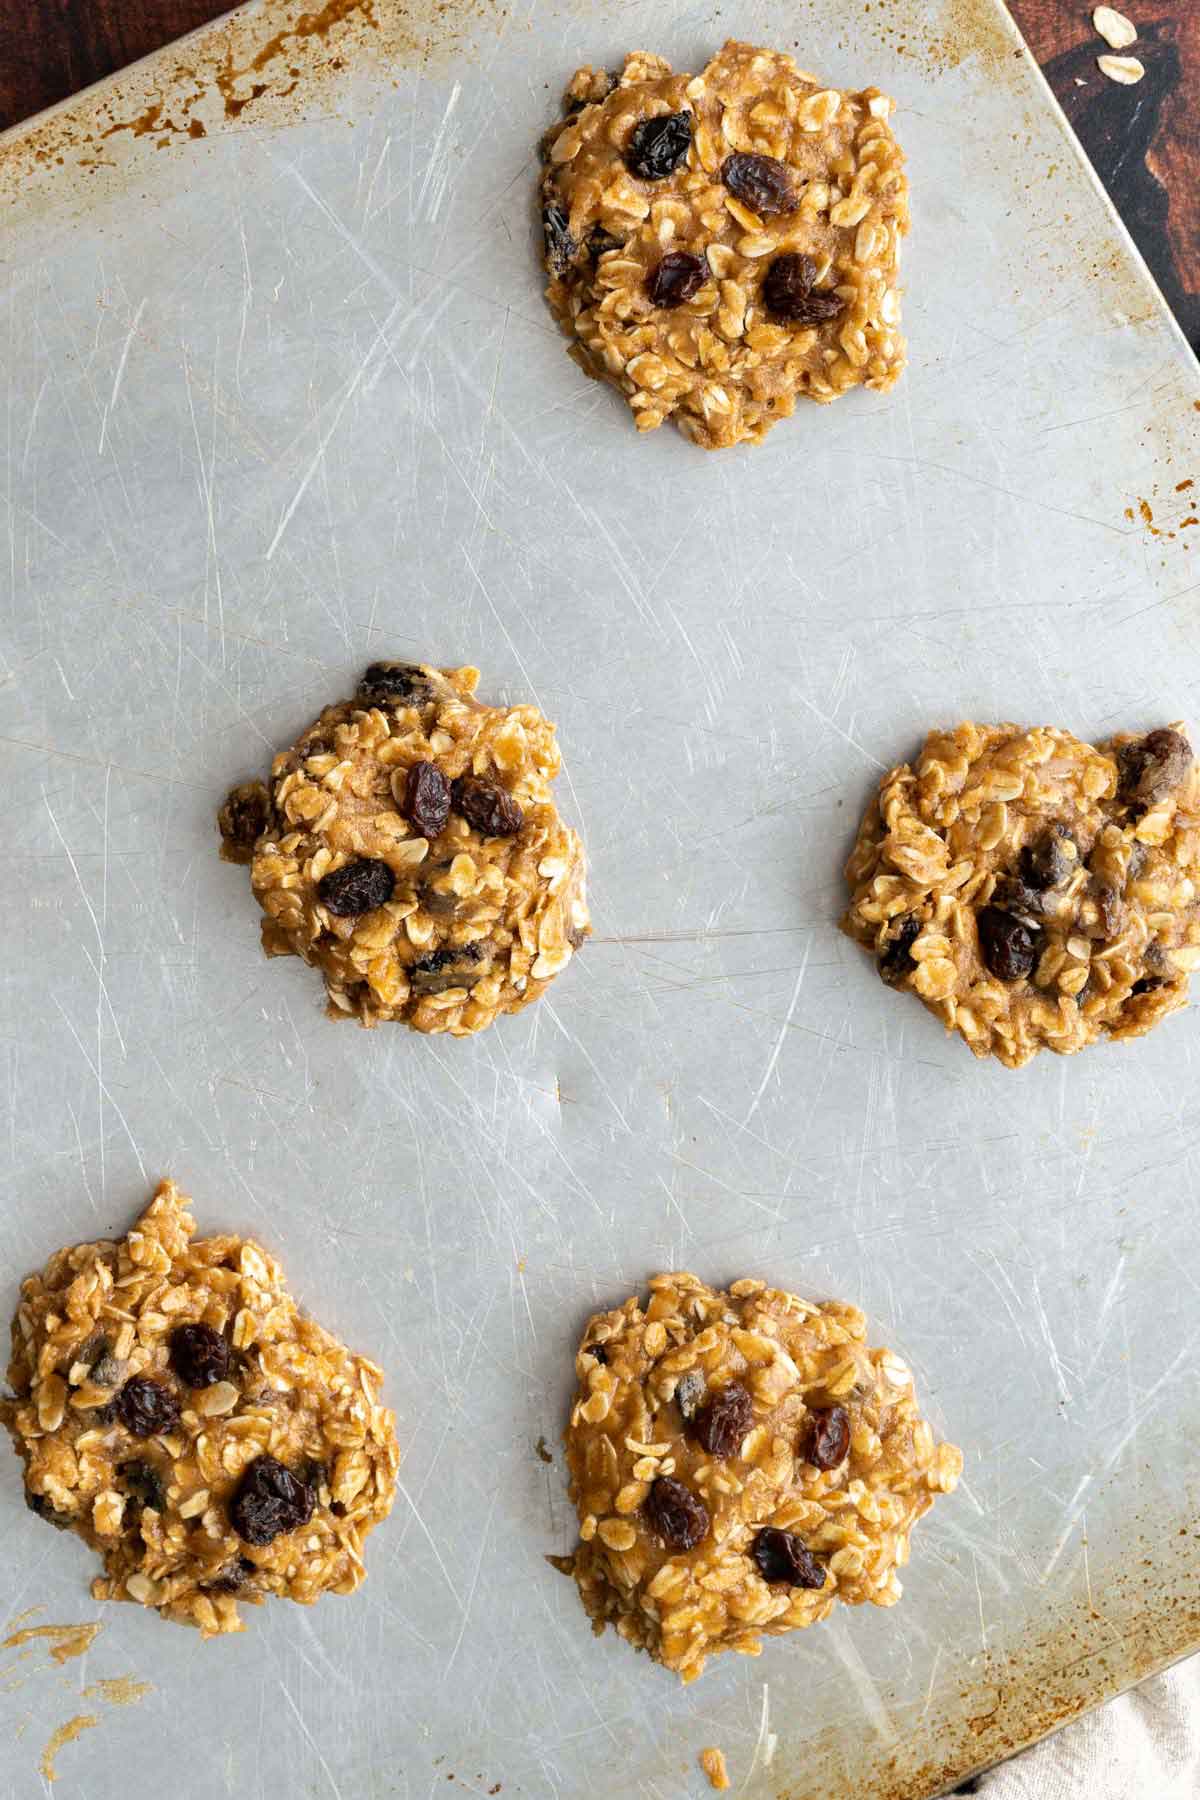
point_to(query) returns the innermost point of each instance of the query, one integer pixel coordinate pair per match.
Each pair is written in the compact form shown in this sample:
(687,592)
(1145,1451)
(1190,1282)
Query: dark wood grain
(52,48)
(1144,141)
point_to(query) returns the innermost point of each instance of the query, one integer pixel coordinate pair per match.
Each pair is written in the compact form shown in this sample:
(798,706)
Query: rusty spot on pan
(284,62)
(1120,1625)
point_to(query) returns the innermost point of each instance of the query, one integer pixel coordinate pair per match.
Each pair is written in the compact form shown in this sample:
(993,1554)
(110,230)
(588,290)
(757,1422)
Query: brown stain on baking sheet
(940,38)
(66,1641)
(1120,1624)
(66,1734)
(283,62)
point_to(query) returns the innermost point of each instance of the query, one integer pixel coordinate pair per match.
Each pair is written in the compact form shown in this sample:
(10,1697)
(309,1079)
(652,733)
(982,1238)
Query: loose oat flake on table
(1034,891)
(740,1461)
(175,1410)
(408,847)
(720,243)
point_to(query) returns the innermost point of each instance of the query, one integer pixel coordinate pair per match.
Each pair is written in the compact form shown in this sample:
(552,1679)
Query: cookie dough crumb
(718,244)
(59,1739)
(740,1460)
(712,1761)
(175,1410)
(408,847)
(1034,891)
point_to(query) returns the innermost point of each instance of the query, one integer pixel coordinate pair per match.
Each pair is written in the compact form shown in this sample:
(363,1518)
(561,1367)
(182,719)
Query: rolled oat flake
(1116,30)
(1125,69)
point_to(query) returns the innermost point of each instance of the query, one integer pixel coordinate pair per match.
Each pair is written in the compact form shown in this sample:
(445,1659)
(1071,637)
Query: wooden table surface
(1144,140)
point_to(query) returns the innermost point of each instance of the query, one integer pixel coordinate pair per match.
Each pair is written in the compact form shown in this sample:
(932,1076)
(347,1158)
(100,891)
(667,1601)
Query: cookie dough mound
(1034,891)
(408,847)
(719,243)
(177,1413)
(739,1461)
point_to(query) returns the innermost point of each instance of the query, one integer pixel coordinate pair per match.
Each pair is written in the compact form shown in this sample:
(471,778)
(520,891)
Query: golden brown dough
(720,243)
(739,1461)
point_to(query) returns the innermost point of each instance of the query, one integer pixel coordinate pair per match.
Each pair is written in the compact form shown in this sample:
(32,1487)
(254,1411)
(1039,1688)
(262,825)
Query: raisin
(357,887)
(561,247)
(1147,984)
(689,1395)
(143,1485)
(782,1557)
(678,1516)
(787,292)
(600,242)
(232,1578)
(725,1420)
(1045,863)
(1149,768)
(426,798)
(199,1355)
(243,819)
(1009,949)
(760,182)
(1012,895)
(1108,903)
(39,1504)
(896,961)
(444,969)
(599,1352)
(828,1438)
(394,681)
(146,1407)
(656,147)
(491,811)
(269,1502)
(314,1474)
(678,277)
(442,906)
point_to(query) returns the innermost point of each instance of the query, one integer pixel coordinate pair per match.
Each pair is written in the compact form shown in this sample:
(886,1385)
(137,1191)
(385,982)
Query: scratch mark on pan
(107,1095)
(763,1725)
(436,169)
(310,1740)
(119,376)
(1074,1508)
(865,1686)
(779,1041)
(483,1543)
(844,735)
(378,345)
(401,1489)
(369,262)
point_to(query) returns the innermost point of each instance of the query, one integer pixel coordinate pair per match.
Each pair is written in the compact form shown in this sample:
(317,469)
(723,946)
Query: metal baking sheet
(282,397)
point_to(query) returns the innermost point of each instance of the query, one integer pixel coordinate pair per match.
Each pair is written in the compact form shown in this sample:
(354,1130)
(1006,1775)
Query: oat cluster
(721,361)
(740,1461)
(1034,891)
(284,1439)
(408,847)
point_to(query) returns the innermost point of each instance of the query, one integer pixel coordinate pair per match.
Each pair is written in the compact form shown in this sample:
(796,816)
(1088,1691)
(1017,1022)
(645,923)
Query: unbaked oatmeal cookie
(1036,892)
(739,1461)
(175,1411)
(719,243)
(409,848)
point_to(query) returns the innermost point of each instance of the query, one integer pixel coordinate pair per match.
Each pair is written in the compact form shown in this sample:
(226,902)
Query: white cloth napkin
(1144,1746)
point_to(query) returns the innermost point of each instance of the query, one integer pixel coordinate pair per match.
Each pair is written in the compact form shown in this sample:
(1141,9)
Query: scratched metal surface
(287,399)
